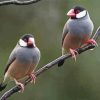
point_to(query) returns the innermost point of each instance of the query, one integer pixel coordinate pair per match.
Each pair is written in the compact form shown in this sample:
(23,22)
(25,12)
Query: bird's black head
(77,12)
(27,40)
(78,9)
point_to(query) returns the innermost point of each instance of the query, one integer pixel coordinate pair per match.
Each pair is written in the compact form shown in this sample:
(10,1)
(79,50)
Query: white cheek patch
(81,14)
(22,43)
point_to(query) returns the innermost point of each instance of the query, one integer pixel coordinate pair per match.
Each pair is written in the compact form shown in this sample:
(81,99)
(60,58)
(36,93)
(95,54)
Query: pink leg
(92,41)
(73,53)
(33,78)
(19,84)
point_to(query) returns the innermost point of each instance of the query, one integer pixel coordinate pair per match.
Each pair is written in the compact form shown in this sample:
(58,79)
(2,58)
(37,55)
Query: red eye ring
(25,40)
(77,11)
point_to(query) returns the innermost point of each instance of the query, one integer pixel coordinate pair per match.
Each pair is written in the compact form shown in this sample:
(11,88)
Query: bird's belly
(19,70)
(73,41)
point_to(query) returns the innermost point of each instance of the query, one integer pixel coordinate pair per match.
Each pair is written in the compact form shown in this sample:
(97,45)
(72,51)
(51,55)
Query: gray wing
(65,32)
(12,58)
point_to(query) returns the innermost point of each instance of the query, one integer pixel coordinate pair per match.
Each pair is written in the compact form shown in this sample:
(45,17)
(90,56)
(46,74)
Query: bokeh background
(78,80)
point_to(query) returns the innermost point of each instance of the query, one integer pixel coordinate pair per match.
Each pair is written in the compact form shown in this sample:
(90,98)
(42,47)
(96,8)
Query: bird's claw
(73,53)
(20,85)
(33,78)
(92,41)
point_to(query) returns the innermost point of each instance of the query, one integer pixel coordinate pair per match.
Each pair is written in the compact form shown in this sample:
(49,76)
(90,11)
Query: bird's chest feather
(19,70)
(28,55)
(23,65)
(24,55)
(80,27)
(74,41)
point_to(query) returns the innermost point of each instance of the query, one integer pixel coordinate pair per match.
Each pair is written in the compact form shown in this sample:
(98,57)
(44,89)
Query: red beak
(30,42)
(71,13)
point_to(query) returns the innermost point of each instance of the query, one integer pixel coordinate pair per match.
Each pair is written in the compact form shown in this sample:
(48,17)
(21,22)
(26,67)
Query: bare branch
(17,2)
(50,65)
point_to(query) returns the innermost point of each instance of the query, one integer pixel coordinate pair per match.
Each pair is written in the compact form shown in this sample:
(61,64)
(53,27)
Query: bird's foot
(20,85)
(91,41)
(73,53)
(33,78)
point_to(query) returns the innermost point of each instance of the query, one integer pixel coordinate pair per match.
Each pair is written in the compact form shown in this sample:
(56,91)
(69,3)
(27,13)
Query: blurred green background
(78,80)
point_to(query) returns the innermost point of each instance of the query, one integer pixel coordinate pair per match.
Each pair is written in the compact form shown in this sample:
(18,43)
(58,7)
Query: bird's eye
(77,11)
(25,40)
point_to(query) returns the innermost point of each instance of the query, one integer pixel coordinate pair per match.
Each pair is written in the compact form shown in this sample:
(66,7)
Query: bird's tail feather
(2,86)
(60,63)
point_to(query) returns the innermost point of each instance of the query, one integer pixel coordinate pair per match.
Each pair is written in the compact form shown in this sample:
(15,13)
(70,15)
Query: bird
(77,31)
(22,61)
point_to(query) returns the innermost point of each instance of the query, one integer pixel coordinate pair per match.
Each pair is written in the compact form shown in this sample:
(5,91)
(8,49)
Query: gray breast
(80,26)
(28,55)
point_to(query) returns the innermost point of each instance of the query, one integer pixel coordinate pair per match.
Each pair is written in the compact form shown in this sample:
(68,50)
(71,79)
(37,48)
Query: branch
(50,65)
(17,2)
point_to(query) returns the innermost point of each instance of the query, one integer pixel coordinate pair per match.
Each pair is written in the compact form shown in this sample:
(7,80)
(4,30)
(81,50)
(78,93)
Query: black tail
(2,86)
(60,63)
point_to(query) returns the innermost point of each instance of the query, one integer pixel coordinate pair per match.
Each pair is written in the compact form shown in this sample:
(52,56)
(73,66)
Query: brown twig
(50,65)
(17,2)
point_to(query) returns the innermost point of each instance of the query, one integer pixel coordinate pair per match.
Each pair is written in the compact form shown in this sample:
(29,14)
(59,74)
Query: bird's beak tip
(71,13)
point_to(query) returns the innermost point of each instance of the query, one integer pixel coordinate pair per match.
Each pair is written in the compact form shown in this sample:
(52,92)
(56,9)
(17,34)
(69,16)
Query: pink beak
(71,13)
(30,42)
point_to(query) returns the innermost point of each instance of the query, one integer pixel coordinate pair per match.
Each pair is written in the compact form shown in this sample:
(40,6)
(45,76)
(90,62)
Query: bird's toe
(73,53)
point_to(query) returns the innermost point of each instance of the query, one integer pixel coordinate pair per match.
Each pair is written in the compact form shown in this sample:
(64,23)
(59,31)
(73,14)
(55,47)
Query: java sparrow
(77,31)
(22,61)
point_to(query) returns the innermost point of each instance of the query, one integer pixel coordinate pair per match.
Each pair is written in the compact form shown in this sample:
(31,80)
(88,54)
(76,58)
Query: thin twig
(50,65)
(17,2)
